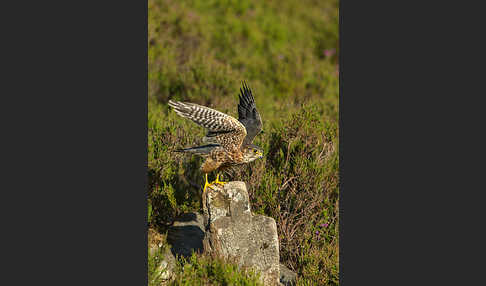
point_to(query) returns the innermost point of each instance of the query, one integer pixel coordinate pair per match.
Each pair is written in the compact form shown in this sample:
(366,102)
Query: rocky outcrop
(228,229)
(186,235)
(235,233)
(287,276)
(167,263)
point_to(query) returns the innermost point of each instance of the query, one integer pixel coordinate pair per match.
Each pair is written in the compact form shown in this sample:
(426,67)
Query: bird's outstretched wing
(248,114)
(222,128)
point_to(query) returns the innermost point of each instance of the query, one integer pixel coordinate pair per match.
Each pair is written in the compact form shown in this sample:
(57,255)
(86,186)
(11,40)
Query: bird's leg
(206,184)
(203,198)
(217,181)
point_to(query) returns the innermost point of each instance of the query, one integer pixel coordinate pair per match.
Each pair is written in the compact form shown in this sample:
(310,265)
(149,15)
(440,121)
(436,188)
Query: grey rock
(186,234)
(167,262)
(287,276)
(163,267)
(167,265)
(235,233)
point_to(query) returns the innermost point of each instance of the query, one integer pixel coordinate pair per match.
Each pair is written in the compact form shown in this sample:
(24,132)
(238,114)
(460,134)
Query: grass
(202,270)
(201,51)
(197,269)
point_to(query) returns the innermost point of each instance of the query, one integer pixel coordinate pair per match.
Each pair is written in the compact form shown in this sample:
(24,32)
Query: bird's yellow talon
(217,181)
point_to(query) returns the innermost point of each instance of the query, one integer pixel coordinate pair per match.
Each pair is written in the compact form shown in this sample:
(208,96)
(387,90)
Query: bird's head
(252,152)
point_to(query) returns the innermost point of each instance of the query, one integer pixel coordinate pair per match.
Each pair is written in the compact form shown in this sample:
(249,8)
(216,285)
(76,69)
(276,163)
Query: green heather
(202,270)
(287,51)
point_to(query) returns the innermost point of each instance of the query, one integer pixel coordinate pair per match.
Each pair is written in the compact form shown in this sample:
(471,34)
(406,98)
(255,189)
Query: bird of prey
(228,141)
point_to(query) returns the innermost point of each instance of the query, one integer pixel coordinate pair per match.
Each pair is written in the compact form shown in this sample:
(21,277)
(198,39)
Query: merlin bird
(228,141)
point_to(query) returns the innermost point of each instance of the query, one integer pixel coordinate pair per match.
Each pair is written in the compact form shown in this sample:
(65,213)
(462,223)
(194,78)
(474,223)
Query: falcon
(228,142)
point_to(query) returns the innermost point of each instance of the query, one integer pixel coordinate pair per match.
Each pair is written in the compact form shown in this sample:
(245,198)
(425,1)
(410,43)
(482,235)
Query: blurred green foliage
(201,51)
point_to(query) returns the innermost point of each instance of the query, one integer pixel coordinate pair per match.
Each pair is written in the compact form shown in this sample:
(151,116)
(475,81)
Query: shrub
(203,270)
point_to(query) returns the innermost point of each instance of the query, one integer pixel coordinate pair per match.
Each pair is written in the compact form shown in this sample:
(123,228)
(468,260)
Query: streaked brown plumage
(228,141)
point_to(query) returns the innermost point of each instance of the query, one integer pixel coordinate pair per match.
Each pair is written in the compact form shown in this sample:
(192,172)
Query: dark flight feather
(248,115)
(199,150)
